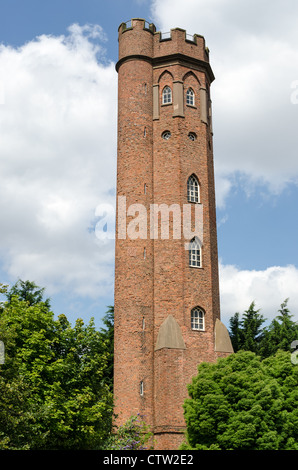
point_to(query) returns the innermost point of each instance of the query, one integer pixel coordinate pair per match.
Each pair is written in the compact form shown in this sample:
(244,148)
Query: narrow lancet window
(190,97)
(193,189)
(195,254)
(197,319)
(166,95)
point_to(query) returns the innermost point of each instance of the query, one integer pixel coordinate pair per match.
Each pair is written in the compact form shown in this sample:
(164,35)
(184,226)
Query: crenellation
(138,24)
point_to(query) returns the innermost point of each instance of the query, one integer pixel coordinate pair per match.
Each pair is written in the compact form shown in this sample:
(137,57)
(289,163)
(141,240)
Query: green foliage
(3,291)
(280,334)
(133,435)
(107,335)
(15,414)
(29,292)
(251,327)
(57,380)
(246,333)
(244,403)
(55,393)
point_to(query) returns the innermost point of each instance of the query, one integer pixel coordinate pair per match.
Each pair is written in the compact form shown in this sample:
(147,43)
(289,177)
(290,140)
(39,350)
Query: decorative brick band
(179,59)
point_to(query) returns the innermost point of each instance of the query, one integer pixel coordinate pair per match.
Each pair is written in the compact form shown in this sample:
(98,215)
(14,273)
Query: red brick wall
(133,273)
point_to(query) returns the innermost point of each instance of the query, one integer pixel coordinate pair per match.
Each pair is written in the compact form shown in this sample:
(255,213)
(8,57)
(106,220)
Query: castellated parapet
(137,37)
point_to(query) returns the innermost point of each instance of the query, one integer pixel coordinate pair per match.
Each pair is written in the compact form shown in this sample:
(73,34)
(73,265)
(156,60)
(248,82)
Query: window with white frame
(193,189)
(166,95)
(190,97)
(198,319)
(195,253)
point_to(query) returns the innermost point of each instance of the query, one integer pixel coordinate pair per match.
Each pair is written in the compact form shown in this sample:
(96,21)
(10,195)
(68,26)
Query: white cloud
(254,57)
(268,288)
(58,160)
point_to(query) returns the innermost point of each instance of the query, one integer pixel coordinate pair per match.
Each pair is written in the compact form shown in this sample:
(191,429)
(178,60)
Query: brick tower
(167,315)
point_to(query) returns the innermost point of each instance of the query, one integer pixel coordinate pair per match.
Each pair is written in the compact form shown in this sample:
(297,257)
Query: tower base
(168,440)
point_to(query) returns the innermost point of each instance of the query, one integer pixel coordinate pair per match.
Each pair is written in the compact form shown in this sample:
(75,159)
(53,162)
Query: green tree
(247,333)
(251,328)
(53,379)
(244,403)
(15,414)
(3,291)
(236,332)
(280,334)
(107,333)
(29,292)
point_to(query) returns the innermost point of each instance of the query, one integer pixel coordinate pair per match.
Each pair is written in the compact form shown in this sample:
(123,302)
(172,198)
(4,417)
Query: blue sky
(58,99)
(22,21)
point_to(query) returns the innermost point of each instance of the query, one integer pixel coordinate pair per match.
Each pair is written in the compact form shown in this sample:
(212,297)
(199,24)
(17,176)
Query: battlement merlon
(139,39)
(128,25)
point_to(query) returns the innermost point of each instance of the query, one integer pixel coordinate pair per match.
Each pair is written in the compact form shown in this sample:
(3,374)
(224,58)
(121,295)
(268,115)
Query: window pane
(192,189)
(190,97)
(166,95)
(194,254)
(197,319)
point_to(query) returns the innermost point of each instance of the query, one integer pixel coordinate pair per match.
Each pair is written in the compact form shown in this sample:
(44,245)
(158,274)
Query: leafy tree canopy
(27,291)
(54,387)
(248,334)
(244,403)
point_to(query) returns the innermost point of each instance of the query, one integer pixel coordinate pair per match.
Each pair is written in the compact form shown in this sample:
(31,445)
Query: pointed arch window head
(166,95)
(198,319)
(195,253)
(193,189)
(190,97)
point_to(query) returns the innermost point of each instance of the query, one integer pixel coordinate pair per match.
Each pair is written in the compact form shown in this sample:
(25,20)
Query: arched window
(166,95)
(193,189)
(190,97)
(198,319)
(195,253)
